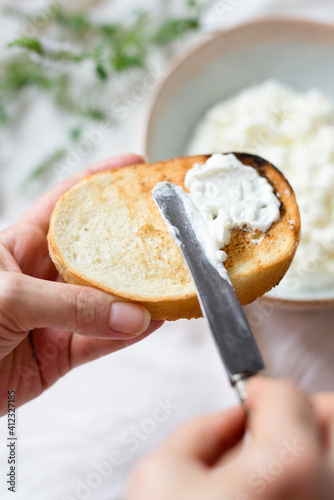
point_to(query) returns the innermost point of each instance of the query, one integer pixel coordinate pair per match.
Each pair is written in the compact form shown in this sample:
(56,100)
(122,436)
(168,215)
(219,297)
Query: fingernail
(128,318)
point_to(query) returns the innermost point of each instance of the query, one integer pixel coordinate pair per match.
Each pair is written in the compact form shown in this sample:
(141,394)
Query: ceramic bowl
(296,52)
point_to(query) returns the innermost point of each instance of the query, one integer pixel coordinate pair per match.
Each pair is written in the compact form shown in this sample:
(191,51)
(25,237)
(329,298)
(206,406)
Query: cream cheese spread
(228,195)
(295,132)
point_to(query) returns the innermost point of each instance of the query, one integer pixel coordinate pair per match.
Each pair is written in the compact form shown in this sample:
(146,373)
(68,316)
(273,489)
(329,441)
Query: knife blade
(218,300)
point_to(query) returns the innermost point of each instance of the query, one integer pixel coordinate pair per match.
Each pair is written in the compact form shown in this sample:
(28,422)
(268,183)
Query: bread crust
(254,268)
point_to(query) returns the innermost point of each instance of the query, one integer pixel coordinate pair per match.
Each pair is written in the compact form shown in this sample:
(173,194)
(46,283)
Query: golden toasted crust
(253,268)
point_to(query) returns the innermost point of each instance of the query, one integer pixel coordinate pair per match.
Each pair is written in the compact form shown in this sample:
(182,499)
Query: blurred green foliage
(48,59)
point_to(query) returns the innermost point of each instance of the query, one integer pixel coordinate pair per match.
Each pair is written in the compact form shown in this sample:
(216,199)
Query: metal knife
(217,298)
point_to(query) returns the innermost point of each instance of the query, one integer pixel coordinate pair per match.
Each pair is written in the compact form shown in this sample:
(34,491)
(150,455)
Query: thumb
(27,303)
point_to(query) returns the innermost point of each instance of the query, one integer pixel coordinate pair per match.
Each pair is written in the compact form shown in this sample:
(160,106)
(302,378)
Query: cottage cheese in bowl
(295,132)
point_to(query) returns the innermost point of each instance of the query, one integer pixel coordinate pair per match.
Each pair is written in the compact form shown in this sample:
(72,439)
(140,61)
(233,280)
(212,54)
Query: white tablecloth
(80,439)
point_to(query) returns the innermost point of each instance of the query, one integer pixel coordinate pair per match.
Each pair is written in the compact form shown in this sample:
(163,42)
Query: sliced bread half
(107,232)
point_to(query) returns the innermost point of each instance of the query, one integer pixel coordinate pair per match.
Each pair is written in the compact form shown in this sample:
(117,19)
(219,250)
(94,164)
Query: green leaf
(34,45)
(44,166)
(173,29)
(20,72)
(92,113)
(122,61)
(31,44)
(76,133)
(72,104)
(73,22)
(3,114)
(66,55)
(101,71)
(135,35)
(108,30)
(197,7)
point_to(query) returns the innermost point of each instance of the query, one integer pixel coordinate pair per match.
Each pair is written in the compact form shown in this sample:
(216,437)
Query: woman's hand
(289,454)
(48,327)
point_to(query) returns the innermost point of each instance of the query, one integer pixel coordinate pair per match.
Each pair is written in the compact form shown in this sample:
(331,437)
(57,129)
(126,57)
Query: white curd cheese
(295,132)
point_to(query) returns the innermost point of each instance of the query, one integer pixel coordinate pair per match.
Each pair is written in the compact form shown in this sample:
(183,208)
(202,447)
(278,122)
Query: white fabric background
(67,434)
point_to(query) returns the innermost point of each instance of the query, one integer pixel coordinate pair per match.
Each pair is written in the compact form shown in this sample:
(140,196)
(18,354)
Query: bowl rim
(294,23)
(307,304)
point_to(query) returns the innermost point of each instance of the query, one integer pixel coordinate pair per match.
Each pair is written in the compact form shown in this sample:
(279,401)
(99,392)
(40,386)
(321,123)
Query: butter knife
(218,300)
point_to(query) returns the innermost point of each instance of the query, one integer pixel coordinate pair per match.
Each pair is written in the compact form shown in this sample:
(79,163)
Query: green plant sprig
(36,46)
(47,60)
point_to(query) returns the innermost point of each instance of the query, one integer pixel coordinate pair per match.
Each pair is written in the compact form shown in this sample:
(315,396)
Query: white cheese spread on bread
(229,195)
